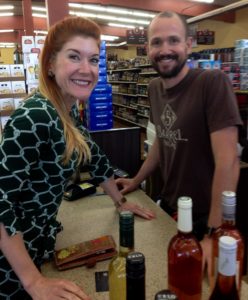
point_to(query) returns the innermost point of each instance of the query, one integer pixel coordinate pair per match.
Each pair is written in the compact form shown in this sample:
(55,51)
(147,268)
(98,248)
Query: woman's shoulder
(37,106)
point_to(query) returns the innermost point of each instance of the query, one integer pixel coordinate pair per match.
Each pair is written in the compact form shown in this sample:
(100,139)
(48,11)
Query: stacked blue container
(99,112)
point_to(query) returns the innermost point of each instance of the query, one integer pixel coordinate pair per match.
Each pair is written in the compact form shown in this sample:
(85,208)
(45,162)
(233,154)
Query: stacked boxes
(99,109)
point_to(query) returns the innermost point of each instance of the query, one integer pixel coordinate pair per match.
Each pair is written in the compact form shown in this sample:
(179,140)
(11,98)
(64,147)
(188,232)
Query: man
(196,116)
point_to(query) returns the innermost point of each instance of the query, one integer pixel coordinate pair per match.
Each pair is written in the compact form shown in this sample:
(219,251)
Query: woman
(43,144)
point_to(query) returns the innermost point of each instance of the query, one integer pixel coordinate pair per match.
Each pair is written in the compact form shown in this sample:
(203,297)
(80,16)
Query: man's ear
(189,42)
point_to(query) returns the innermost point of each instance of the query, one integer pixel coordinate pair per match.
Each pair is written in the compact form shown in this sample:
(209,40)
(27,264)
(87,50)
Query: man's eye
(174,41)
(156,43)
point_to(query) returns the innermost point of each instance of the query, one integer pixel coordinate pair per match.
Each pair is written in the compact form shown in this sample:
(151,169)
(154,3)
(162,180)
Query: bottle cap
(184,223)
(135,265)
(126,218)
(166,294)
(227,242)
(184,202)
(229,198)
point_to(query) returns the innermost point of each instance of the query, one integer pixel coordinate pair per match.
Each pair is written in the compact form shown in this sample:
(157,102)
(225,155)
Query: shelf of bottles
(129,80)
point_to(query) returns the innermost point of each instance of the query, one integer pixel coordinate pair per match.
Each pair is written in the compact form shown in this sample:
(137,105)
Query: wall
(226,33)
(6,55)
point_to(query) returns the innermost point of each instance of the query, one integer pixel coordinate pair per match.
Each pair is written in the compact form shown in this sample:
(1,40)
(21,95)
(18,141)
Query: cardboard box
(5,87)
(39,41)
(6,104)
(4,71)
(18,87)
(27,43)
(17,70)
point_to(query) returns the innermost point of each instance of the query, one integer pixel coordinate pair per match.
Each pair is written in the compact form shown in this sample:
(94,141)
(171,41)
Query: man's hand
(207,245)
(126,185)
(138,210)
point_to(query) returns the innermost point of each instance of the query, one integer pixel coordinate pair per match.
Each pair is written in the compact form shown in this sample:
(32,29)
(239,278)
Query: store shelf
(124,94)
(129,121)
(127,106)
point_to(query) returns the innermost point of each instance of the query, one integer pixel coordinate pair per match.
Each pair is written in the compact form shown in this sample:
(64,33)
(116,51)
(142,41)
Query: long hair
(59,34)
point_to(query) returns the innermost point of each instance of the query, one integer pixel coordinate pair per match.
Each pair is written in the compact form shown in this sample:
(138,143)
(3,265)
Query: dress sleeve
(19,152)
(99,167)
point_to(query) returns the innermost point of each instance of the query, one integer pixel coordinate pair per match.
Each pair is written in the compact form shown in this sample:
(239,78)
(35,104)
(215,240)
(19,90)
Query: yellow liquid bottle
(117,266)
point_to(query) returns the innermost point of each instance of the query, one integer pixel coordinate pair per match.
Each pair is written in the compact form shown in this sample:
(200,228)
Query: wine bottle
(135,274)
(165,295)
(117,266)
(228,228)
(17,55)
(225,287)
(185,256)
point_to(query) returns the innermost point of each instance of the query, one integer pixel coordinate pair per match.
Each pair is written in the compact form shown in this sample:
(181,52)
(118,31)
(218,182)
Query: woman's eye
(94,61)
(74,57)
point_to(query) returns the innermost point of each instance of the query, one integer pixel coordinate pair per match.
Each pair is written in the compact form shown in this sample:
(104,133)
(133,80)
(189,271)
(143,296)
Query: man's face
(168,47)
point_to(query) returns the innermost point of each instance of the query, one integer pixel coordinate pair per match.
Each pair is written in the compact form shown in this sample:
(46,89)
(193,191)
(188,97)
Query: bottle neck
(184,223)
(228,214)
(227,262)
(126,240)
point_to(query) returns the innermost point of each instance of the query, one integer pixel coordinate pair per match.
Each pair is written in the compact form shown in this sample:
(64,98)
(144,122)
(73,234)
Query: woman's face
(76,68)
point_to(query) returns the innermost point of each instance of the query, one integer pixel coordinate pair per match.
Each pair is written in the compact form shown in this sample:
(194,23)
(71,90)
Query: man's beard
(169,73)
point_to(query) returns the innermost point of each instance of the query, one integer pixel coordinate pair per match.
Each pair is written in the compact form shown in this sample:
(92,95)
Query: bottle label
(227,262)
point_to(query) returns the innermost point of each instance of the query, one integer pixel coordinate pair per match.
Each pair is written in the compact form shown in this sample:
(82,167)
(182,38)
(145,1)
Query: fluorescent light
(6,7)
(111,18)
(40,32)
(82,14)
(115,44)
(205,1)
(6,30)
(39,15)
(38,8)
(121,25)
(7,45)
(109,37)
(7,14)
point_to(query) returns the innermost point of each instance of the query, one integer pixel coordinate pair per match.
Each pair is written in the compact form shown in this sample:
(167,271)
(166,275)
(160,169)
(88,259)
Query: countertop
(95,216)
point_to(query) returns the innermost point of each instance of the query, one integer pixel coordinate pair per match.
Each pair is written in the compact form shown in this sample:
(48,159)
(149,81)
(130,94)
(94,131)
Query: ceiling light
(121,25)
(6,7)
(39,8)
(7,45)
(112,9)
(82,14)
(205,1)
(6,30)
(109,37)
(115,44)
(7,14)
(40,32)
(39,15)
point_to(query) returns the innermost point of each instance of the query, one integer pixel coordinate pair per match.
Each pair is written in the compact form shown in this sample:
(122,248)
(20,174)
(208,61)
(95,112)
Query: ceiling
(188,8)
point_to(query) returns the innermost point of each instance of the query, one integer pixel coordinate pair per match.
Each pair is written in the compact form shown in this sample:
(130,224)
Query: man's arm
(226,174)
(150,164)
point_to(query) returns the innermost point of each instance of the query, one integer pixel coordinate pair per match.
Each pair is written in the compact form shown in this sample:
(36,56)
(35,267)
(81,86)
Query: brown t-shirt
(184,116)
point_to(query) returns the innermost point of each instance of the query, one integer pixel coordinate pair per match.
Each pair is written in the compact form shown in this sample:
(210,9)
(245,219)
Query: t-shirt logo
(170,137)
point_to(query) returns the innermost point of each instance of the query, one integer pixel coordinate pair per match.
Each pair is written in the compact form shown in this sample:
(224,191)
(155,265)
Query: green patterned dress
(32,181)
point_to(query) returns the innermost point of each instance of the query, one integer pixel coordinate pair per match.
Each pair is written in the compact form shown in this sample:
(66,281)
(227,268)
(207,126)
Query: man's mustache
(168,56)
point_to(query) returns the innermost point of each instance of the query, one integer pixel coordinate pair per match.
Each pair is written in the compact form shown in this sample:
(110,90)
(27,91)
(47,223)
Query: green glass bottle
(117,266)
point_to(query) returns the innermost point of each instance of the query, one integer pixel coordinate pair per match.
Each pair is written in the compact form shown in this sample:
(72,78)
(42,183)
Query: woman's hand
(55,289)
(137,210)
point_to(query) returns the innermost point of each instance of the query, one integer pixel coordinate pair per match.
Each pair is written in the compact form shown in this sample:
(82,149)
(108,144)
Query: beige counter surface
(92,217)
